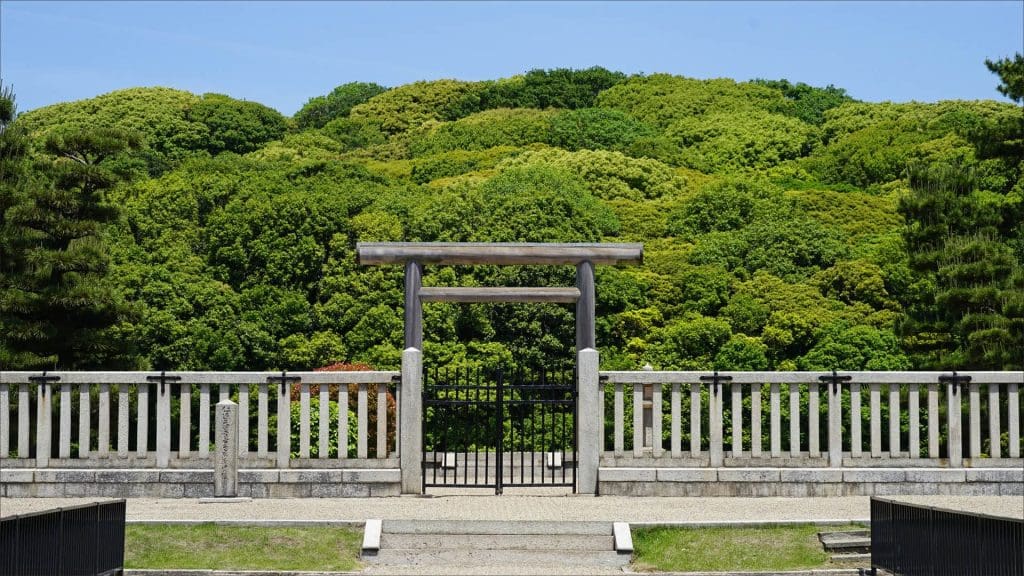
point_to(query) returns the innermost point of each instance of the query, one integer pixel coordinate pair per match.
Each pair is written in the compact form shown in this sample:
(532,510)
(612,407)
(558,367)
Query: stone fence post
(225,462)
(411,422)
(590,414)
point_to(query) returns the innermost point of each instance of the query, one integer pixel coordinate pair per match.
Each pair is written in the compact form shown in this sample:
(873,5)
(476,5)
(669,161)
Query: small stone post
(588,421)
(411,423)
(225,459)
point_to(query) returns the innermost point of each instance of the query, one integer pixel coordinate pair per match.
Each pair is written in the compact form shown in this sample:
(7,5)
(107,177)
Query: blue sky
(281,54)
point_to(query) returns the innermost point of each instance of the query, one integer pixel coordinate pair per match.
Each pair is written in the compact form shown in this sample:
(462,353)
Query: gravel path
(521,507)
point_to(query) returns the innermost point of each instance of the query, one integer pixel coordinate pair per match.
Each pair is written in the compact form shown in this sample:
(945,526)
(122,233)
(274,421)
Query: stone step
(456,527)
(855,541)
(446,558)
(497,541)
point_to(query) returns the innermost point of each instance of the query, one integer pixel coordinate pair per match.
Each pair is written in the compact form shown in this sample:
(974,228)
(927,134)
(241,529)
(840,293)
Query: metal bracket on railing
(163,379)
(283,379)
(716,380)
(396,379)
(955,379)
(44,378)
(836,380)
(602,378)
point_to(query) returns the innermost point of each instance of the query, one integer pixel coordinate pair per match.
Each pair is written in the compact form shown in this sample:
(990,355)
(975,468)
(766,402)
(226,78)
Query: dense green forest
(785,226)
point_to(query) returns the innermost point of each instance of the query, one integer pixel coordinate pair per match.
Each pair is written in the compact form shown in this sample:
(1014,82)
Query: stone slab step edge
(462,557)
(836,541)
(507,527)
(495,542)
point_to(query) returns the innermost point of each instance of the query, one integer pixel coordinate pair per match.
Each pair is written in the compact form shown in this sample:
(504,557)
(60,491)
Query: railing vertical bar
(638,419)
(163,424)
(775,399)
(262,419)
(361,421)
(382,420)
(856,440)
(64,448)
(715,423)
(954,433)
(103,433)
(755,420)
(223,392)
(304,420)
(142,420)
(677,436)
(894,419)
(876,420)
(601,427)
(343,432)
(204,420)
(695,416)
(84,420)
(933,420)
(835,422)
(1013,416)
(914,409)
(794,419)
(24,417)
(243,419)
(975,419)
(324,422)
(737,419)
(5,420)
(620,418)
(284,423)
(994,431)
(813,413)
(185,420)
(44,417)
(123,421)
(657,448)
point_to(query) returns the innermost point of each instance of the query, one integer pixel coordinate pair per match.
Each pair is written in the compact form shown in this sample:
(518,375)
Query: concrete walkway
(522,507)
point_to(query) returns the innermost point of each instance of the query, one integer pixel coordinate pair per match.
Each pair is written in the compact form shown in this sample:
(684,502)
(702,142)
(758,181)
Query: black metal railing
(913,540)
(489,428)
(76,541)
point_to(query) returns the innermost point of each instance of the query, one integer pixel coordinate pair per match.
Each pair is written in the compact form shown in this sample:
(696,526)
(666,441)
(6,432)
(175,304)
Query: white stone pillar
(589,415)
(225,465)
(411,424)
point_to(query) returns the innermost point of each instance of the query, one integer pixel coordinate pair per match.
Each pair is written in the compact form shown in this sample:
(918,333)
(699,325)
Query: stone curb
(151,572)
(813,572)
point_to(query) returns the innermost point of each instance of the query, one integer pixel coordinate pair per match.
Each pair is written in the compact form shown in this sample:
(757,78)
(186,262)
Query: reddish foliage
(353,398)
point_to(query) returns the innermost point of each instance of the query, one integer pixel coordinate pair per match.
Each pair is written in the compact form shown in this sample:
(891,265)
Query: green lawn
(211,546)
(712,549)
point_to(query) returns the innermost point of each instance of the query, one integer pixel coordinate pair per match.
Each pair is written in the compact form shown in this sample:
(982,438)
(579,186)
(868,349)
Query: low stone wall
(805,482)
(185,483)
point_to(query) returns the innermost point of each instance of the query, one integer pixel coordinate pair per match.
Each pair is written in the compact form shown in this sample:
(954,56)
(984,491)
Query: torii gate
(413,255)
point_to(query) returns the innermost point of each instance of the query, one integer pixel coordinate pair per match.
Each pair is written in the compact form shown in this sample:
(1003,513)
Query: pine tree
(57,305)
(14,149)
(967,310)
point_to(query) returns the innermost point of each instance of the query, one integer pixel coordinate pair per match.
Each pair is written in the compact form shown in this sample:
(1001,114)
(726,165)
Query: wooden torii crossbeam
(413,255)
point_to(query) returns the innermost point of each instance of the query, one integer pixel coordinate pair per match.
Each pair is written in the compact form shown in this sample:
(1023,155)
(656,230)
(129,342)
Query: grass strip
(218,547)
(678,549)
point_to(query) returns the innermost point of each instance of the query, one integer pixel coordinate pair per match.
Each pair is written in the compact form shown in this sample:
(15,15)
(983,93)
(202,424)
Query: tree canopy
(785,226)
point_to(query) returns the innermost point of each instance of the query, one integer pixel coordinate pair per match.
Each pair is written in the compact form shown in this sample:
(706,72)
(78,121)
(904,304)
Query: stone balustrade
(639,432)
(823,430)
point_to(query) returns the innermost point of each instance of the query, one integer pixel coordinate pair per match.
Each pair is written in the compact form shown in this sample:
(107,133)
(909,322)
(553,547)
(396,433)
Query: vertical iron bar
(498,435)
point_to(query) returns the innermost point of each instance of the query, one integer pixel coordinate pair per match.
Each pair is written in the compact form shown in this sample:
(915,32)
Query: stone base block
(186,483)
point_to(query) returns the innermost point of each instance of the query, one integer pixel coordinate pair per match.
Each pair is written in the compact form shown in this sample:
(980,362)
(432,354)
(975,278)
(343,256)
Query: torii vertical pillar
(585,307)
(413,306)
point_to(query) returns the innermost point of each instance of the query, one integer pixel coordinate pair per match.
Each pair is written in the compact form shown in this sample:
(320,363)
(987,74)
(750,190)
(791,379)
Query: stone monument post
(225,463)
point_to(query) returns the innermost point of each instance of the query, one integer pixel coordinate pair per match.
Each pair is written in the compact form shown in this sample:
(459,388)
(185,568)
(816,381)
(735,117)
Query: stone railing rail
(139,413)
(830,432)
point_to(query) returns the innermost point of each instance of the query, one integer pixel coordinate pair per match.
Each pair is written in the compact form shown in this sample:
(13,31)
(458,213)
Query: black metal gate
(492,428)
